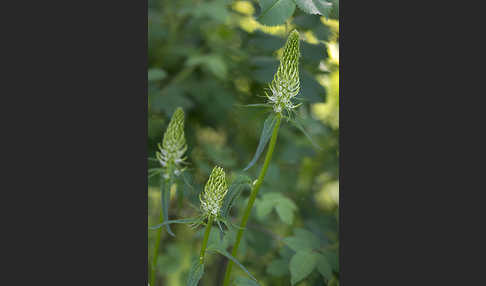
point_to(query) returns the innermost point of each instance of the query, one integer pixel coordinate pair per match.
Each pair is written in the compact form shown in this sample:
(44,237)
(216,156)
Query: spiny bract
(173,144)
(214,192)
(285,84)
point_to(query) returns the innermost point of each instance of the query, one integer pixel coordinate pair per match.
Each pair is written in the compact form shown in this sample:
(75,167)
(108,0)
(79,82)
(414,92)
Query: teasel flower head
(214,191)
(285,84)
(171,152)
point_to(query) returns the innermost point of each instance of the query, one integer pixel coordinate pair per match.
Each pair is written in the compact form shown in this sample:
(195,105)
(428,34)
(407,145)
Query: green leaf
(239,184)
(254,105)
(301,265)
(284,206)
(324,267)
(268,126)
(213,62)
(229,256)
(316,7)
(165,188)
(195,274)
(278,268)
(302,240)
(167,222)
(243,281)
(299,126)
(156,74)
(285,210)
(275,12)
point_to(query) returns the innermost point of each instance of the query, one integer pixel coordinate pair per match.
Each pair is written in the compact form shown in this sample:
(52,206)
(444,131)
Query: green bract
(171,152)
(285,84)
(214,192)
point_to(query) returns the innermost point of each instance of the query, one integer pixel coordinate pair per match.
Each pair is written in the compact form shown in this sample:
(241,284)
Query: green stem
(156,250)
(253,195)
(205,240)
(159,232)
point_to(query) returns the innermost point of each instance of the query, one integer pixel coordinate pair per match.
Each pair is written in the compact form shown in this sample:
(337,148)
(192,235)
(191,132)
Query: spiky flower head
(171,152)
(285,84)
(214,192)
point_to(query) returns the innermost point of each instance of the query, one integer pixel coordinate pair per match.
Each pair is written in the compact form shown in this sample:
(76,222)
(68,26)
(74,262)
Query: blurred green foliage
(208,56)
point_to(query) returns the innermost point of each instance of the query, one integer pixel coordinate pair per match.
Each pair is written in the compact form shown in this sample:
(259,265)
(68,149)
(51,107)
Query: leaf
(165,187)
(317,7)
(324,267)
(254,105)
(195,274)
(243,281)
(284,206)
(301,265)
(275,12)
(239,184)
(167,222)
(156,74)
(268,126)
(212,62)
(307,21)
(278,268)
(285,210)
(302,240)
(229,256)
(299,126)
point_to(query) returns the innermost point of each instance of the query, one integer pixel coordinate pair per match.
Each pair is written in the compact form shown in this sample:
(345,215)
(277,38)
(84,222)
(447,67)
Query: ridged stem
(251,201)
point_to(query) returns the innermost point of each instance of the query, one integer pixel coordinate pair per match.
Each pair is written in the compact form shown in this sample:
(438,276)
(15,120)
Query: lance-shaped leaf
(195,274)
(167,222)
(268,126)
(299,126)
(165,188)
(229,256)
(239,184)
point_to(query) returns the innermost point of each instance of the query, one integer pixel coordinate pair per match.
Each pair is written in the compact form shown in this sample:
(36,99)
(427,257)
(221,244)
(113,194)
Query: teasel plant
(280,96)
(171,156)
(216,201)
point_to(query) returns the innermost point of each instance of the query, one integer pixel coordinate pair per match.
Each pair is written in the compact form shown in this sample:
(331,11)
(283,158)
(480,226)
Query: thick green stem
(159,232)
(253,195)
(205,240)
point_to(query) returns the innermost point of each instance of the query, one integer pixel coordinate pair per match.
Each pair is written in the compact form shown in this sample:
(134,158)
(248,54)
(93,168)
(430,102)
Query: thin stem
(253,195)
(159,231)
(205,240)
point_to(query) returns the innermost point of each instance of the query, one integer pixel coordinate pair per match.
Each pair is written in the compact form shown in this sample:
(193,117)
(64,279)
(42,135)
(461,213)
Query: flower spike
(214,192)
(286,84)
(173,147)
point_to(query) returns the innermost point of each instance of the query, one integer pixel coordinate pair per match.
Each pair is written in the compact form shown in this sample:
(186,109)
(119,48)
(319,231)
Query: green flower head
(285,84)
(171,152)
(214,192)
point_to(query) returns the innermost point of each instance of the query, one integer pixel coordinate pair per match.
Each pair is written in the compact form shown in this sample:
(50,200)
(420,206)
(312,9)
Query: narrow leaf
(167,222)
(195,274)
(268,126)
(229,256)
(239,184)
(166,186)
(254,105)
(243,281)
(301,128)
